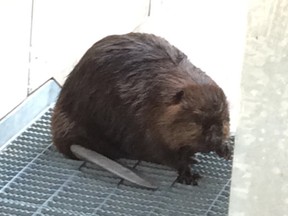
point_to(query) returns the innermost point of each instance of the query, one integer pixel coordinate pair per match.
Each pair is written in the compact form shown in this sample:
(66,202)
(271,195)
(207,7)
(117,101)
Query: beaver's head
(198,117)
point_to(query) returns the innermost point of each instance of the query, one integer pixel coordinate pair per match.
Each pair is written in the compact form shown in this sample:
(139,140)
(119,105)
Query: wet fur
(137,96)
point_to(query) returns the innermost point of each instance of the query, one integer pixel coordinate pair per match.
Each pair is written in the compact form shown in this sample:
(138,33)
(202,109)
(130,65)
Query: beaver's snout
(225,151)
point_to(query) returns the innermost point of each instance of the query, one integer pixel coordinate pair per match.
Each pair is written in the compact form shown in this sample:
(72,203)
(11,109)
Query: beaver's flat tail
(110,165)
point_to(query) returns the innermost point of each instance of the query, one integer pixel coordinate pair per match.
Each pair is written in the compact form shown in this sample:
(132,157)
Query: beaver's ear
(178,96)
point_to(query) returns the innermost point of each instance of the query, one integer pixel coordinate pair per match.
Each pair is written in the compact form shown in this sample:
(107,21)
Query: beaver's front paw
(188,178)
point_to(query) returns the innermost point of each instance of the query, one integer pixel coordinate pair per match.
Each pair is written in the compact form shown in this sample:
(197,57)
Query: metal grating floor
(37,180)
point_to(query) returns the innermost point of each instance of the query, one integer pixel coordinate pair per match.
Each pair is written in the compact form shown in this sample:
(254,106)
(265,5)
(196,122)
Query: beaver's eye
(178,97)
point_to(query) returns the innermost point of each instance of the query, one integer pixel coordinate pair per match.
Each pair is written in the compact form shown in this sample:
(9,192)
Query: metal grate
(37,180)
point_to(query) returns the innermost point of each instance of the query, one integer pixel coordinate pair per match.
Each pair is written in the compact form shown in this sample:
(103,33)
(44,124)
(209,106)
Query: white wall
(61,31)
(15,20)
(64,30)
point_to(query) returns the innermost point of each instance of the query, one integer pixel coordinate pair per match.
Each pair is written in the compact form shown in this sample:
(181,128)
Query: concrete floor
(260,167)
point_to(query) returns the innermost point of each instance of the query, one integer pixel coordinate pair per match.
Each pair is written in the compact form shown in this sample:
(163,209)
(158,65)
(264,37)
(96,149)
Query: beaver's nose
(225,151)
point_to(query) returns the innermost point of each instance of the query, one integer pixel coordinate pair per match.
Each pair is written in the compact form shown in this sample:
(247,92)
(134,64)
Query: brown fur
(137,96)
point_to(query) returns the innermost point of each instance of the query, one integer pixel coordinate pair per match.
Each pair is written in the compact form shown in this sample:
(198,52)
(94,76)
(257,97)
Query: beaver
(136,96)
